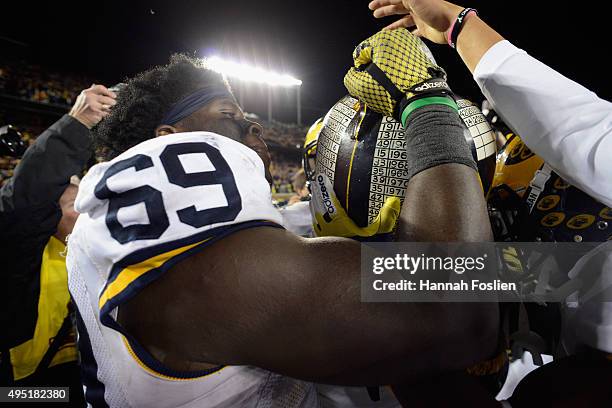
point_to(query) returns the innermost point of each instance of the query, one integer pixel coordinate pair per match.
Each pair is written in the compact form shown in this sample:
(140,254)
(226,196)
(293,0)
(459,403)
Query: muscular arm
(445,203)
(304,317)
(268,298)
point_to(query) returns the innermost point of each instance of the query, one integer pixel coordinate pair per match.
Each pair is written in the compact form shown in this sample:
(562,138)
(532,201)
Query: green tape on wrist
(432,100)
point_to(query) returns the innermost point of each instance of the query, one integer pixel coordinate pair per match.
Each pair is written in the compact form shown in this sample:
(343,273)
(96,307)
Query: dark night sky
(312,40)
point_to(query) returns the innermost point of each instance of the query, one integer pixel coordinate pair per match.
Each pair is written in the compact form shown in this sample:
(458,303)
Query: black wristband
(458,25)
(435,135)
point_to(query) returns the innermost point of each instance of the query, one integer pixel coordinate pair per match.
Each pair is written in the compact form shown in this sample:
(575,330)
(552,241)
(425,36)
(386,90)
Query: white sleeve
(297,219)
(560,120)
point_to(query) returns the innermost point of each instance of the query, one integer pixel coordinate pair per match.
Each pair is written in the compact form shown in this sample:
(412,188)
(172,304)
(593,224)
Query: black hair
(145,99)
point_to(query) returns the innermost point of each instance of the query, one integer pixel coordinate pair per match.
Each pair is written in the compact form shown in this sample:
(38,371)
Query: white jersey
(141,213)
(297,219)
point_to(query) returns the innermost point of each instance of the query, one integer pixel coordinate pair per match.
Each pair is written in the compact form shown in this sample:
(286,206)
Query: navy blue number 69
(153,200)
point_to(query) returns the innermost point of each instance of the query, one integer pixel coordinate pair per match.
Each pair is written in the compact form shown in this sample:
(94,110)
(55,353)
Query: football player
(189,293)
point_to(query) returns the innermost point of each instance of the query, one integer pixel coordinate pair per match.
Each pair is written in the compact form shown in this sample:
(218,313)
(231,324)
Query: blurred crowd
(32,82)
(7,165)
(284,135)
(282,170)
(283,167)
(285,143)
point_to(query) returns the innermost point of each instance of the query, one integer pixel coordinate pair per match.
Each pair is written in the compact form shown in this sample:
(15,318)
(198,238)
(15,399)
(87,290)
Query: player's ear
(163,130)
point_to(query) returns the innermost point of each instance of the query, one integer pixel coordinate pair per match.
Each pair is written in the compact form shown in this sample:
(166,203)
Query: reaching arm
(563,122)
(560,120)
(432,19)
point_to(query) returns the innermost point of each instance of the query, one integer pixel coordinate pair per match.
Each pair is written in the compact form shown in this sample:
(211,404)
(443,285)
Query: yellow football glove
(393,72)
(330,219)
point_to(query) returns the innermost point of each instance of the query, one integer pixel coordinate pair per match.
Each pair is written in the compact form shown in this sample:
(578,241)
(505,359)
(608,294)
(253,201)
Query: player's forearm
(408,343)
(304,319)
(445,204)
(444,199)
(426,363)
(474,40)
(342,340)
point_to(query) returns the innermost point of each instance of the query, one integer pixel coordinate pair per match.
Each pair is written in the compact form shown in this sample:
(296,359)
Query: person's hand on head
(93,104)
(430,18)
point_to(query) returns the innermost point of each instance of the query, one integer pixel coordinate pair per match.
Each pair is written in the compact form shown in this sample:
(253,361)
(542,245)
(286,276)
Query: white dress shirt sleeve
(560,120)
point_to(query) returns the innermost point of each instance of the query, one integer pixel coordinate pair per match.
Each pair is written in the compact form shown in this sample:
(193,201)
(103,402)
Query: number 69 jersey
(141,213)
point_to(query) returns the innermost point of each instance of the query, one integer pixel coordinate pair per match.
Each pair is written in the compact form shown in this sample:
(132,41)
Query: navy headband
(195,101)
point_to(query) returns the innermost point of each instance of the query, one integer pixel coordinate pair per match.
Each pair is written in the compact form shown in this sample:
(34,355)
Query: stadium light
(250,73)
(253,74)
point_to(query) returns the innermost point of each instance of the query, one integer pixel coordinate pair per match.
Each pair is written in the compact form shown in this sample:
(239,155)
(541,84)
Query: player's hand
(92,105)
(391,70)
(330,219)
(432,18)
